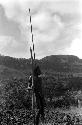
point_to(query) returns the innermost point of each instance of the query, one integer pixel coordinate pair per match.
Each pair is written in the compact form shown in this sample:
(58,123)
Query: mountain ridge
(58,63)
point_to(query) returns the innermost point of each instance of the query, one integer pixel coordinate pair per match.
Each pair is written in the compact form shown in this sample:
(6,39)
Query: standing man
(38,93)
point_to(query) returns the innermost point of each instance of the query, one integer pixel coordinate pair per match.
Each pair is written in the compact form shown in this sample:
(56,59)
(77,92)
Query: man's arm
(29,83)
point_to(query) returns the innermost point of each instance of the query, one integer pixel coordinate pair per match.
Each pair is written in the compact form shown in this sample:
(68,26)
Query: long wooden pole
(32,61)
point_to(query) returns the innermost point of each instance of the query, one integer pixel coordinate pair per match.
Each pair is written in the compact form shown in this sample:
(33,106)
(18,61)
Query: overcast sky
(57,27)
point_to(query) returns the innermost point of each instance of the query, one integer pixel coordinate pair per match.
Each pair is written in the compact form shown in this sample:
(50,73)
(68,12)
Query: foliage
(60,88)
(16,95)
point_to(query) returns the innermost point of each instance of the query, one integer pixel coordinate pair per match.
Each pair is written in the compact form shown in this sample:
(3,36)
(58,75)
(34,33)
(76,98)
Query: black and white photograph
(40,62)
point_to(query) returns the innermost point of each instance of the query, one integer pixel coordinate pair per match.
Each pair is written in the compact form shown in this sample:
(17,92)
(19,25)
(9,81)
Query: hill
(13,67)
(15,63)
(62,63)
(9,73)
(54,63)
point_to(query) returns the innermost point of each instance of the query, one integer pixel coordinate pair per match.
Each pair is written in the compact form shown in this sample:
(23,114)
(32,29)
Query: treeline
(15,63)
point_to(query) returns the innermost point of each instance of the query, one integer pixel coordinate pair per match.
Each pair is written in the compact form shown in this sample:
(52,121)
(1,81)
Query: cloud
(3,42)
(12,36)
(10,47)
(76,48)
(55,25)
(56,34)
(8,27)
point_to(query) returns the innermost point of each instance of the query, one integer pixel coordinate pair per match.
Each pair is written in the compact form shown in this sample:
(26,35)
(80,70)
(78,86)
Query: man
(38,93)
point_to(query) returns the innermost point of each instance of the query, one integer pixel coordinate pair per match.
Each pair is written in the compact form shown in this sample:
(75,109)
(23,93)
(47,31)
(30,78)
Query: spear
(32,62)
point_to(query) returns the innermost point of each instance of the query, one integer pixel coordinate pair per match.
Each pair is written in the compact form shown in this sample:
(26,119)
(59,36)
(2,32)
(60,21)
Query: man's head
(37,71)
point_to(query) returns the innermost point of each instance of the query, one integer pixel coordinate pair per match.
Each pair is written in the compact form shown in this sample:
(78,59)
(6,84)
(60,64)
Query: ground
(57,116)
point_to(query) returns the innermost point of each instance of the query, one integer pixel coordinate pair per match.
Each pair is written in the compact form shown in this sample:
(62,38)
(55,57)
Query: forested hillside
(58,63)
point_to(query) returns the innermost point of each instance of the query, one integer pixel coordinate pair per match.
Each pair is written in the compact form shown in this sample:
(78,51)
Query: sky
(57,27)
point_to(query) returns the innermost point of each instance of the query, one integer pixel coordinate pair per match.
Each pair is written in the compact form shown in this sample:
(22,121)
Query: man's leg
(42,109)
(37,118)
(40,106)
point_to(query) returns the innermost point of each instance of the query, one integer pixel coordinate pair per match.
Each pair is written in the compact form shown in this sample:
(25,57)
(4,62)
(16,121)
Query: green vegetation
(62,85)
